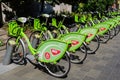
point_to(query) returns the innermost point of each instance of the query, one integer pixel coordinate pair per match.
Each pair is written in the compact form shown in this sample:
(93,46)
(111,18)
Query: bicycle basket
(14,29)
(54,22)
(37,25)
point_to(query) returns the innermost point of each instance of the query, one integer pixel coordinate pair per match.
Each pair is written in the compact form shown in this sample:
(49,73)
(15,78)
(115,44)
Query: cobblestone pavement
(104,65)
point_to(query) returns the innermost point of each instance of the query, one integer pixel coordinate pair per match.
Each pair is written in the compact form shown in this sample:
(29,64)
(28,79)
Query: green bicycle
(51,54)
(92,41)
(55,31)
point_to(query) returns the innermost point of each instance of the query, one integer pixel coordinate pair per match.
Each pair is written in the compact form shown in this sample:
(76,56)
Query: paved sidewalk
(104,65)
(3,37)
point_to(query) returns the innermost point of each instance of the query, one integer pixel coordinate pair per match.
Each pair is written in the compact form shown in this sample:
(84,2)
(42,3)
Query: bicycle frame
(47,51)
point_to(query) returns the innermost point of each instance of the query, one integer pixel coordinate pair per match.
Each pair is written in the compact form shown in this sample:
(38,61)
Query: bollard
(8,54)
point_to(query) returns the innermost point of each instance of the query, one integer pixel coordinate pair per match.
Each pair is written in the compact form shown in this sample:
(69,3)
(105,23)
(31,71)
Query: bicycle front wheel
(61,68)
(34,41)
(18,52)
(37,37)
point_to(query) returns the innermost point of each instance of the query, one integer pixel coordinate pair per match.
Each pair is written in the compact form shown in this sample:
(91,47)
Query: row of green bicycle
(56,41)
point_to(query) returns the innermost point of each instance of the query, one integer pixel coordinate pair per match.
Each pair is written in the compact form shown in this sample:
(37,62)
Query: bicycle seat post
(46,16)
(64,16)
(23,20)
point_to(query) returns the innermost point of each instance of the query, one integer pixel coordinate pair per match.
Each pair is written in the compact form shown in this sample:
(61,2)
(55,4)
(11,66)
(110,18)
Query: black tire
(61,68)
(112,33)
(117,29)
(18,53)
(105,38)
(79,56)
(36,41)
(93,46)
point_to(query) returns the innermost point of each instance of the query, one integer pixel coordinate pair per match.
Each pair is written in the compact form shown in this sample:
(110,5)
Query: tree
(96,5)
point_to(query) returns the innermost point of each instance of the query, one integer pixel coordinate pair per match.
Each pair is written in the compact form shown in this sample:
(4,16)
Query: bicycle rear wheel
(112,33)
(92,46)
(105,38)
(79,56)
(117,29)
(34,40)
(18,52)
(37,37)
(61,68)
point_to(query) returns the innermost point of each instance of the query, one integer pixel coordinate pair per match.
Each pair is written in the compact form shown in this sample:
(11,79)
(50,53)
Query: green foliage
(82,5)
(98,5)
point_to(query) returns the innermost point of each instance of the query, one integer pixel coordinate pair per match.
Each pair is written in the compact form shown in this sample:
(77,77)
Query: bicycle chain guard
(51,51)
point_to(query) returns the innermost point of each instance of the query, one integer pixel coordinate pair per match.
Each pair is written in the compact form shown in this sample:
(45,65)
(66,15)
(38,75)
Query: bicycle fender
(103,28)
(51,51)
(76,40)
(89,32)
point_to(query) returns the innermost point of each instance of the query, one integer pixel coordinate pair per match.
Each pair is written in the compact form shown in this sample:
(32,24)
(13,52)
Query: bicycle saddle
(46,15)
(63,15)
(22,19)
